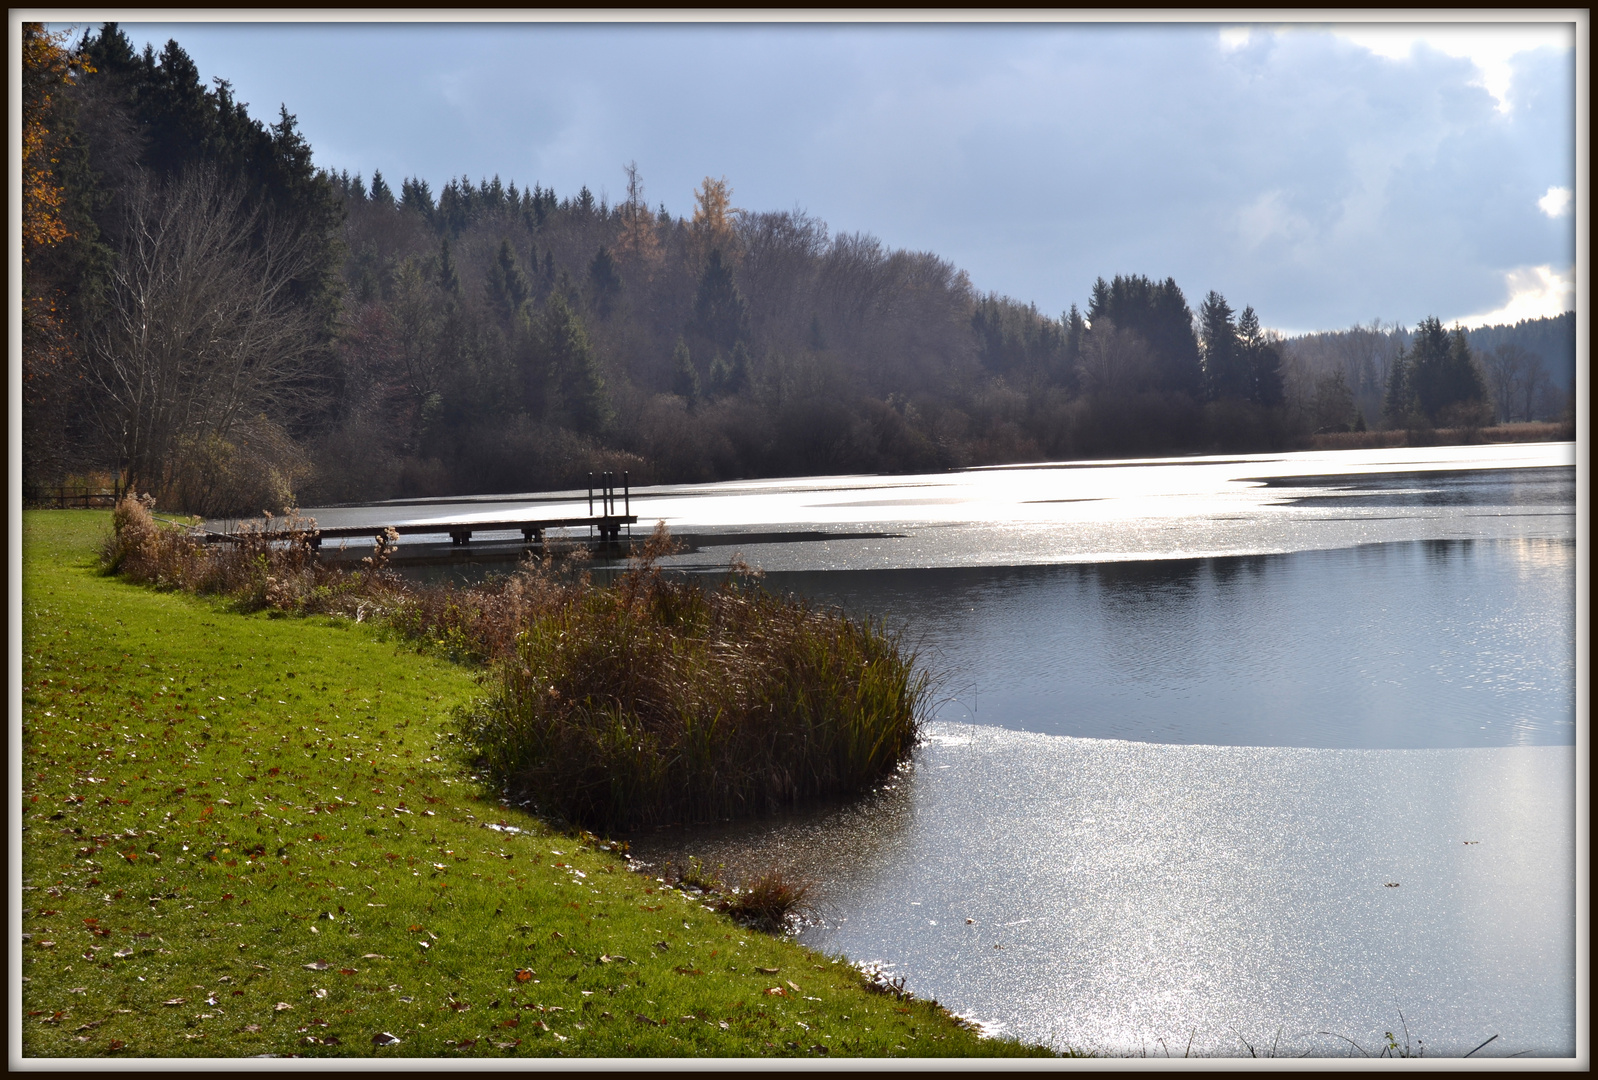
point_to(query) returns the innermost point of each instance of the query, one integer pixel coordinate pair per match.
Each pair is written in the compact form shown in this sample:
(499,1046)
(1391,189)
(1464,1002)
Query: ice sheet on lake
(1078,512)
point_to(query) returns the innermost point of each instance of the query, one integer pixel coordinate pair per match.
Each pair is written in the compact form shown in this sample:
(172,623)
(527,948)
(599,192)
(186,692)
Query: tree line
(210,317)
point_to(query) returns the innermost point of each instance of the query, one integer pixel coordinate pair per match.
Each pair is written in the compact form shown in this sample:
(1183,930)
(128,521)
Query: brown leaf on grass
(775,991)
(115,1045)
(679,969)
(347,971)
(646,1020)
(383,1038)
(175,1001)
(523,974)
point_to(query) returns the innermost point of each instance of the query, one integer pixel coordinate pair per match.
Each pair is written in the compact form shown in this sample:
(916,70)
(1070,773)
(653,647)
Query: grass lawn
(249,835)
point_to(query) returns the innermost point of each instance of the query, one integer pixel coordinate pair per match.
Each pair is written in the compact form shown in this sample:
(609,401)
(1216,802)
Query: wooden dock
(614,506)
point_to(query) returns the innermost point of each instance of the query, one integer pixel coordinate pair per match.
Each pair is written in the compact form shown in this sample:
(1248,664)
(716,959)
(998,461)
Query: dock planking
(607,524)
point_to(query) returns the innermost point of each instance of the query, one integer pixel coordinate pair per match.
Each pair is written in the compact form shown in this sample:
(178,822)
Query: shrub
(655,700)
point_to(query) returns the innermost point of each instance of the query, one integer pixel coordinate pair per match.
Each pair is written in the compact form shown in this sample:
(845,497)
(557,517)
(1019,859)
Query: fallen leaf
(251,1028)
(383,1038)
(175,1001)
(319,965)
(281,1006)
(768,971)
(523,974)
(320,993)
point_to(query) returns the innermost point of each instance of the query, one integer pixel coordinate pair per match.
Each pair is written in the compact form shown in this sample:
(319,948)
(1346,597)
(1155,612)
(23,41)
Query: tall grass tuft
(655,700)
(647,701)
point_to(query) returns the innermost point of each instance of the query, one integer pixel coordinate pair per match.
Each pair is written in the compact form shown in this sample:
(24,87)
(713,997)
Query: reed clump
(774,901)
(647,701)
(268,565)
(656,700)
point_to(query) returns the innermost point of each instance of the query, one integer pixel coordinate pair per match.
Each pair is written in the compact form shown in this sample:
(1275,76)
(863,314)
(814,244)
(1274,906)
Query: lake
(1269,751)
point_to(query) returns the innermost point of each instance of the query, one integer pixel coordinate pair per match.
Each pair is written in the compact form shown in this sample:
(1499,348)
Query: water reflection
(1436,643)
(1106,895)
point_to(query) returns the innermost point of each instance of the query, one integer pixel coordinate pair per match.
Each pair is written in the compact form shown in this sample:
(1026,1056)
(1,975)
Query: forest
(210,317)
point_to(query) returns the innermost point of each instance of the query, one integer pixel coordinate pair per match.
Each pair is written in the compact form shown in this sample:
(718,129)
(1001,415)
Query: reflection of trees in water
(1444,551)
(1226,570)
(843,848)
(1129,587)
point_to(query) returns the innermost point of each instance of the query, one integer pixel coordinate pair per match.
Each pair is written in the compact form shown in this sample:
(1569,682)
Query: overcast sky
(1322,175)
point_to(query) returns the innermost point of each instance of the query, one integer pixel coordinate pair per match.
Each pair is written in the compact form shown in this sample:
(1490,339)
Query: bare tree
(1515,375)
(201,338)
(1115,361)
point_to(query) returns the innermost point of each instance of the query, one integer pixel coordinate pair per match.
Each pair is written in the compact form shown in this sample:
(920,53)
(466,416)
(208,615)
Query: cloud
(1556,202)
(1535,292)
(1489,46)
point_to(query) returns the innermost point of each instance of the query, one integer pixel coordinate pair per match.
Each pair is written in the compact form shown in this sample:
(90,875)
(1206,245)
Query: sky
(1324,175)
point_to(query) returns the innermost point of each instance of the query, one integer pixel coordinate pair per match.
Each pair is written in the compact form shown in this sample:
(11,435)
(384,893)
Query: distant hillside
(1551,340)
(1364,356)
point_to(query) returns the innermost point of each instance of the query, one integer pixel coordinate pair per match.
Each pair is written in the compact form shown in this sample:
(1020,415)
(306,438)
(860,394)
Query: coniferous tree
(578,388)
(605,280)
(1398,403)
(1225,370)
(684,379)
(1158,313)
(448,279)
(508,288)
(381,195)
(720,376)
(1445,384)
(1262,361)
(721,318)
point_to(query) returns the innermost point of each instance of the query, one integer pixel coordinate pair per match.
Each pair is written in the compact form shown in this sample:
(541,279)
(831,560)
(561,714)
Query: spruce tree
(1225,375)
(720,316)
(508,288)
(578,388)
(1261,359)
(448,279)
(381,195)
(684,379)
(605,280)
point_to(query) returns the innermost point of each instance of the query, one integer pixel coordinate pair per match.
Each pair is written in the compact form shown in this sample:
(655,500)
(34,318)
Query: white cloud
(1235,37)
(1487,45)
(1535,292)
(1556,202)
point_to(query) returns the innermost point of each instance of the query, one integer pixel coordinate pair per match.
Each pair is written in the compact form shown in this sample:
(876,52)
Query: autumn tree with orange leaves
(49,274)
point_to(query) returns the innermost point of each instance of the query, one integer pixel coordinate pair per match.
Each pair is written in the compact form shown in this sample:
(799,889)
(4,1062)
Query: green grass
(215,805)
